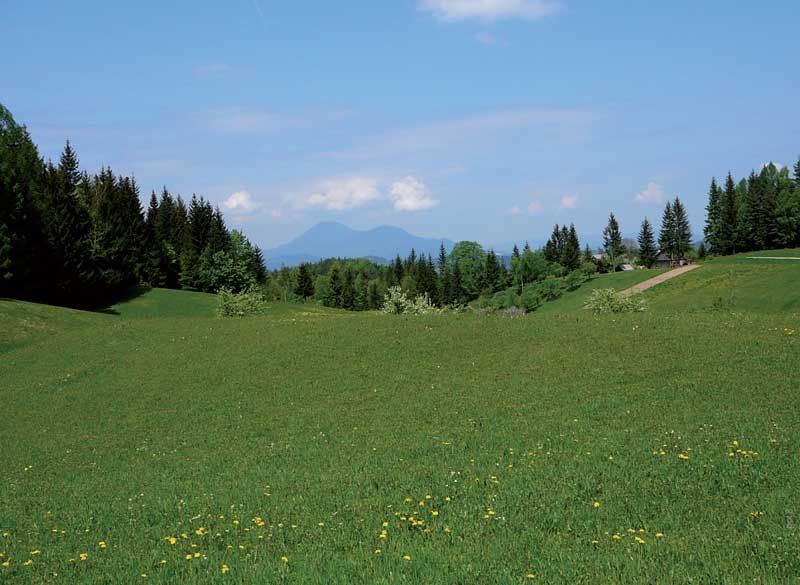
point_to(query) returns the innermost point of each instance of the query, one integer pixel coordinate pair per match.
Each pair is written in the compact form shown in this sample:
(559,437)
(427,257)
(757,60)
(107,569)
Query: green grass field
(158,443)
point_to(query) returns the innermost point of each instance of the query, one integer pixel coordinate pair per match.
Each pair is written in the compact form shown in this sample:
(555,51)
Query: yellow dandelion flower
(163,561)
(683,456)
(320,524)
(596,504)
(406,557)
(285,559)
(83,556)
(530,576)
(188,556)
(659,535)
(28,562)
(102,544)
(144,575)
(35,552)
(5,563)
(639,540)
(197,555)
(434,512)
(172,540)
(225,568)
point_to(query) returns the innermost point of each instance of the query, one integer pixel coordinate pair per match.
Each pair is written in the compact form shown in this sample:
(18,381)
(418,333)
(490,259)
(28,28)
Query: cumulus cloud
(488,10)
(410,194)
(535,208)
(344,194)
(653,194)
(569,202)
(240,202)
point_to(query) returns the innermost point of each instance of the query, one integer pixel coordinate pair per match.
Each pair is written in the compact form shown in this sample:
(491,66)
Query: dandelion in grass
(225,568)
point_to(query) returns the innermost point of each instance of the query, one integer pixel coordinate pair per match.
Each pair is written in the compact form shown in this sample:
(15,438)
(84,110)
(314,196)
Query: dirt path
(651,282)
(773,258)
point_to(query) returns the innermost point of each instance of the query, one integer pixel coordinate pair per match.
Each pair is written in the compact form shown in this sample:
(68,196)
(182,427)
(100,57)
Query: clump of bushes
(250,301)
(397,303)
(606,300)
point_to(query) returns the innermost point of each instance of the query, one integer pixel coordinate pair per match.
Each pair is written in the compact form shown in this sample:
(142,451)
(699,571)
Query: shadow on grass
(103,306)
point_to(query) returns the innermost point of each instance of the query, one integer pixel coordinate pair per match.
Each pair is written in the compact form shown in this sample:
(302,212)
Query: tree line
(760,212)
(73,238)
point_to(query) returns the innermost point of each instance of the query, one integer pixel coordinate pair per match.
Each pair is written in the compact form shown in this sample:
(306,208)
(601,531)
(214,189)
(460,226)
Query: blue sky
(467,119)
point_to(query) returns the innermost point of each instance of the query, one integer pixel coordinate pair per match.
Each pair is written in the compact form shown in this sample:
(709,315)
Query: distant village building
(664,260)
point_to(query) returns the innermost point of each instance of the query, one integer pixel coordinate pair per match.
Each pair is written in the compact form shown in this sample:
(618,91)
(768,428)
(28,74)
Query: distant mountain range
(331,239)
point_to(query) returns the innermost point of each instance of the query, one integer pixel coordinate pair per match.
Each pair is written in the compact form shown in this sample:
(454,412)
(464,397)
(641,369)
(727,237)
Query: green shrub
(248,302)
(505,299)
(574,279)
(530,300)
(552,288)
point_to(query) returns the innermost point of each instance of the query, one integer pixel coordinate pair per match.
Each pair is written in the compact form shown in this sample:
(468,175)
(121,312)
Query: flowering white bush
(397,303)
(606,300)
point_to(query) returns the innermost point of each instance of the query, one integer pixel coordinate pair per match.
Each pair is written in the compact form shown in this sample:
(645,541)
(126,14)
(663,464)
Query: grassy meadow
(157,443)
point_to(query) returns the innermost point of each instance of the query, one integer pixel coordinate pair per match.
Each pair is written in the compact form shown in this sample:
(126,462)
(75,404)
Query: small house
(664,260)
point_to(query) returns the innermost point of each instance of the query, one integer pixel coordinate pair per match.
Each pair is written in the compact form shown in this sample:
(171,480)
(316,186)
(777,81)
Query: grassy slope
(743,283)
(574,301)
(159,421)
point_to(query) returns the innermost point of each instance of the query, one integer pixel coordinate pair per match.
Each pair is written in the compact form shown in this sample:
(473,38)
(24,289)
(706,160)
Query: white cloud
(513,210)
(653,193)
(488,10)
(535,208)
(409,194)
(241,202)
(569,202)
(343,194)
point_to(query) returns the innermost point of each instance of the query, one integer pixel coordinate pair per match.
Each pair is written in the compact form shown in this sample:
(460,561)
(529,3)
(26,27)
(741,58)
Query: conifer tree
(374,295)
(360,298)
(445,279)
(612,243)
(571,255)
(491,272)
(682,242)
(728,219)
(647,244)
(666,237)
(305,285)
(333,295)
(348,289)
(713,228)
(552,249)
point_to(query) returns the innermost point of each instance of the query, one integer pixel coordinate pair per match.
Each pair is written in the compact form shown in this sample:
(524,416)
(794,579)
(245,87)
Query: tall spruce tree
(612,243)
(713,228)
(728,219)
(683,232)
(571,254)
(666,239)
(491,274)
(647,244)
